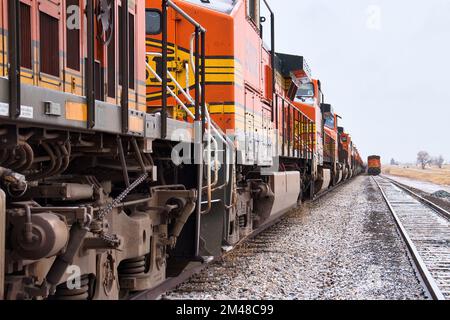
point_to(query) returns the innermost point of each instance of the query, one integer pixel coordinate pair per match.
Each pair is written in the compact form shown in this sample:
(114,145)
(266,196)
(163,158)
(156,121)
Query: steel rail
(440,210)
(173,282)
(425,274)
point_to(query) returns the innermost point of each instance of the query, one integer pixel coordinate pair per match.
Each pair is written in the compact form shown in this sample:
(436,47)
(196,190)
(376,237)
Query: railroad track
(425,227)
(171,283)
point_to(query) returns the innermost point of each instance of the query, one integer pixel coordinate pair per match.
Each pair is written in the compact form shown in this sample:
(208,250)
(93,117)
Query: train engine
(139,139)
(374,165)
(85,213)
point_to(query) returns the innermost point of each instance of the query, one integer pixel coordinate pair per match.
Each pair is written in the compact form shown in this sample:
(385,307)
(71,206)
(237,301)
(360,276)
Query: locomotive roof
(224,6)
(288,63)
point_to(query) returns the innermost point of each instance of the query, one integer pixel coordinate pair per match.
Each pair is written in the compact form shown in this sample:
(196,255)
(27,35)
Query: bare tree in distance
(439,161)
(393,162)
(423,158)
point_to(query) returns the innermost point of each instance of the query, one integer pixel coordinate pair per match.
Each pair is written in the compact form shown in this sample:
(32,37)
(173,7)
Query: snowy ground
(421,185)
(344,246)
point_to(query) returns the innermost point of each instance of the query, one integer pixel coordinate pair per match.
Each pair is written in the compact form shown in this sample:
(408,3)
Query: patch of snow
(425,186)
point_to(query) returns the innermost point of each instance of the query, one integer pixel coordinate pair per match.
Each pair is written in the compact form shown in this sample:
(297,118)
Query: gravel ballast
(343,246)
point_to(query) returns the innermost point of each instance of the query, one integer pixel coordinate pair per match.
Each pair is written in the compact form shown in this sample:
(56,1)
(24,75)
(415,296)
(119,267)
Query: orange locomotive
(337,158)
(238,73)
(256,97)
(60,51)
(345,152)
(127,156)
(374,165)
(72,120)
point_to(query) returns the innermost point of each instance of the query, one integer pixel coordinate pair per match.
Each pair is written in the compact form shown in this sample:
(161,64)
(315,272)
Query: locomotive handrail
(164,43)
(186,16)
(190,114)
(303,119)
(155,74)
(164,67)
(201,111)
(90,73)
(14,58)
(293,105)
(202,115)
(199,30)
(272,54)
(183,91)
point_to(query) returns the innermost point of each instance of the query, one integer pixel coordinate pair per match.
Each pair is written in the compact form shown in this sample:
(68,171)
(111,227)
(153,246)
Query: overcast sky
(384,65)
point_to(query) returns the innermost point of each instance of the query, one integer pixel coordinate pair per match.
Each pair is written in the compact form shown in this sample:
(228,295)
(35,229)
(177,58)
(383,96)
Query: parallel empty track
(425,227)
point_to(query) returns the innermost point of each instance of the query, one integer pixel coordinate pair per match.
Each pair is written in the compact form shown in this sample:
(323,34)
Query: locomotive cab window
(152,21)
(253,11)
(306,90)
(305,93)
(329,122)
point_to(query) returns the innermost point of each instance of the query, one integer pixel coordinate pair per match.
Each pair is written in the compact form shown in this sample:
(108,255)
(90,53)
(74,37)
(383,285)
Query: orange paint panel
(136,124)
(374,163)
(76,111)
